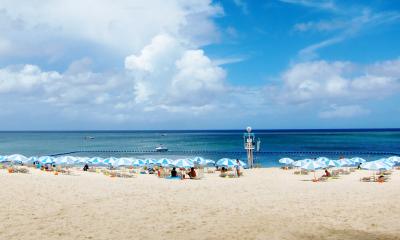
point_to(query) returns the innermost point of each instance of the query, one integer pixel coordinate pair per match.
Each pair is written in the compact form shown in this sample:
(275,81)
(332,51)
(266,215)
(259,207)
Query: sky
(199,64)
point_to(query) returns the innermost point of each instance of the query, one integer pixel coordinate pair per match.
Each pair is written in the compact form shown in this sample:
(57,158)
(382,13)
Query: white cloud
(123,26)
(27,78)
(340,81)
(181,86)
(347,111)
(167,73)
(345,25)
(319,4)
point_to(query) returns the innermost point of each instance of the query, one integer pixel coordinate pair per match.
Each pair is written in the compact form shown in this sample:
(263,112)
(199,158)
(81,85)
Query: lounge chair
(223,174)
(367,179)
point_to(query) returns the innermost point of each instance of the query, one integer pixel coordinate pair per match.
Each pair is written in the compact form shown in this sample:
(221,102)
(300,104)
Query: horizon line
(199,130)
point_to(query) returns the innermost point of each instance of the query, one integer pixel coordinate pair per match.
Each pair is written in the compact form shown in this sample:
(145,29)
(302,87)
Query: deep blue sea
(213,144)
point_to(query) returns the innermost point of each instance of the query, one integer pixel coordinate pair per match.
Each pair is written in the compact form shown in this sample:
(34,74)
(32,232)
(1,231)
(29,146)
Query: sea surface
(370,144)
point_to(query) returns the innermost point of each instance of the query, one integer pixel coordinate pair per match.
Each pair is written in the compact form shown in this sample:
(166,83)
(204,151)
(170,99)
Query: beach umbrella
(298,163)
(322,164)
(183,163)
(204,162)
(65,160)
(138,162)
(332,163)
(286,161)
(82,160)
(3,159)
(33,159)
(376,165)
(46,160)
(226,162)
(210,162)
(395,159)
(95,160)
(313,165)
(17,158)
(164,162)
(150,161)
(387,161)
(358,160)
(123,162)
(323,159)
(110,161)
(345,162)
(198,160)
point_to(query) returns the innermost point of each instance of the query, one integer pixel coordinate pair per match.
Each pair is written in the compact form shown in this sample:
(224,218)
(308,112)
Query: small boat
(161,148)
(89,137)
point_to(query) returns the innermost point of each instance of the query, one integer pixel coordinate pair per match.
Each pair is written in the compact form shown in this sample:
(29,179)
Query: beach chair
(322,179)
(303,172)
(223,174)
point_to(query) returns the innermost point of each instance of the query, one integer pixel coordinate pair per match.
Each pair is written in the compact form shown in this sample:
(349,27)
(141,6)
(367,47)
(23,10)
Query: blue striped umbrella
(376,165)
(387,161)
(46,160)
(298,163)
(345,162)
(138,162)
(358,160)
(395,159)
(123,162)
(198,160)
(210,162)
(17,158)
(164,162)
(332,163)
(322,159)
(313,165)
(96,160)
(150,161)
(226,162)
(82,160)
(3,159)
(183,163)
(286,161)
(65,160)
(110,161)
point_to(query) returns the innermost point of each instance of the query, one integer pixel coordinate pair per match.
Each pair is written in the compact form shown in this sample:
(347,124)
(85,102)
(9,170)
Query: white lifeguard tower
(249,144)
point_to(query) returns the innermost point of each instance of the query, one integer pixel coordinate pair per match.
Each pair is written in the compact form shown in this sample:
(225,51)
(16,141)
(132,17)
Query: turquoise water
(369,144)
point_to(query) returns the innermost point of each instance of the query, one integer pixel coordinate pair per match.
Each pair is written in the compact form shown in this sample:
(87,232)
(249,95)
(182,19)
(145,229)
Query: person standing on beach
(238,167)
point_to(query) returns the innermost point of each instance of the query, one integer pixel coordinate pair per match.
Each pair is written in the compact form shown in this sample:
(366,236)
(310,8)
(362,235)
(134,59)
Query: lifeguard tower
(249,144)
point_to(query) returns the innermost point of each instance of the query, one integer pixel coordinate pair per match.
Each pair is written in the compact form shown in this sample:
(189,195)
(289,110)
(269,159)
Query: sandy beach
(266,203)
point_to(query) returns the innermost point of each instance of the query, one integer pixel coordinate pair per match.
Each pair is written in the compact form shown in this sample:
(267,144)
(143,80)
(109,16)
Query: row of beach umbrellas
(119,162)
(323,162)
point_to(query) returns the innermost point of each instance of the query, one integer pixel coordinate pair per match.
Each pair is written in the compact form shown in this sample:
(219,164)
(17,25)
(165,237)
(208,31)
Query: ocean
(370,144)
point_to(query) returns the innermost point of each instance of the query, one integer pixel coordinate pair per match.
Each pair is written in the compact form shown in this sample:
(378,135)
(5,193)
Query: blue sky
(199,64)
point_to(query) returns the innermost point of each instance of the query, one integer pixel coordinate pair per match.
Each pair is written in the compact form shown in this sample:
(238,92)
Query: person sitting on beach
(86,167)
(174,173)
(192,173)
(327,173)
(381,179)
(223,170)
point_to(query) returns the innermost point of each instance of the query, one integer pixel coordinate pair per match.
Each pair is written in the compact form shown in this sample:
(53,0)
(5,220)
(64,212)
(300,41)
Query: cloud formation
(121,26)
(339,81)
(347,111)
(345,24)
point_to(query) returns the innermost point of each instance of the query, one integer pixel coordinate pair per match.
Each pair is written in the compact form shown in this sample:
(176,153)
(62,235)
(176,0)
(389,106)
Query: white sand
(265,204)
